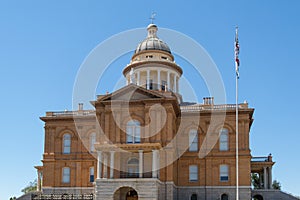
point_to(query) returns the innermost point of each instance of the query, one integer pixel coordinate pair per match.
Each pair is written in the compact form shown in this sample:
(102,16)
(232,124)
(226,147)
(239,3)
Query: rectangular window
(133,132)
(224,173)
(66,175)
(193,140)
(92,176)
(193,173)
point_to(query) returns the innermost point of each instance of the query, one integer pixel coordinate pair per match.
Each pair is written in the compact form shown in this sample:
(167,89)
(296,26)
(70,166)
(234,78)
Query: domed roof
(152,42)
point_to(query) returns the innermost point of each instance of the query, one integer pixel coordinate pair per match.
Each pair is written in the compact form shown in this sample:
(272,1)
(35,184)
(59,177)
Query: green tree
(12,198)
(276,185)
(255,180)
(30,187)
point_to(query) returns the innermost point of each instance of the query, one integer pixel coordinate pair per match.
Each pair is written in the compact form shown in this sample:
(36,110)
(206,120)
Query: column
(141,171)
(168,81)
(148,79)
(154,163)
(39,182)
(270,177)
(265,178)
(158,80)
(112,164)
(138,78)
(105,166)
(175,83)
(99,165)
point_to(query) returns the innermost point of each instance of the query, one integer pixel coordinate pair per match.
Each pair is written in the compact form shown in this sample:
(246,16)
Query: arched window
(67,143)
(194,197)
(92,141)
(133,167)
(224,197)
(224,173)
(133,131)
(224,139)
(193,140)
(66,175)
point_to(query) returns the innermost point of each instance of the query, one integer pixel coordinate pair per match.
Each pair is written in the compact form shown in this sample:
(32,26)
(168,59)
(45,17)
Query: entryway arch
(258,197)
(126,193)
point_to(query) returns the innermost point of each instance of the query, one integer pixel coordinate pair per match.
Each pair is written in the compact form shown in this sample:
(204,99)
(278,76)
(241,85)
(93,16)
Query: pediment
(131,93)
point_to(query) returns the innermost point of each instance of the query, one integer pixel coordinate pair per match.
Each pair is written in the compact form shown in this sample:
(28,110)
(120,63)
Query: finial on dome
(152,28)
(153,14)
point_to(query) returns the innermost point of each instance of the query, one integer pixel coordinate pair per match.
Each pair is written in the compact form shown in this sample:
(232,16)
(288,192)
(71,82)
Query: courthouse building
(144,141)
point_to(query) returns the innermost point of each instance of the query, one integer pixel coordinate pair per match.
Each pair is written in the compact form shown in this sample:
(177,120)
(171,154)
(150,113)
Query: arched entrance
(224,197)
(126,193)
(258,197)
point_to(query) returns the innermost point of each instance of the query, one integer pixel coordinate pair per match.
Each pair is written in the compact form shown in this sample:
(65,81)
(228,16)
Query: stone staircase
(273,195)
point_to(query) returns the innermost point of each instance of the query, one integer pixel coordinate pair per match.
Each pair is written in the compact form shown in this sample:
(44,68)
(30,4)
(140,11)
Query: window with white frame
(92,142)
(224,173)
(133,131)
(66,175)
(92,175)
(193,173)
(193,140)
(224,139)
(67,143)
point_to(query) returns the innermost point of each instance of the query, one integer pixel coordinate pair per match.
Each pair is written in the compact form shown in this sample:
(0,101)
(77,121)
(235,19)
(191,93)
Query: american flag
(236,53)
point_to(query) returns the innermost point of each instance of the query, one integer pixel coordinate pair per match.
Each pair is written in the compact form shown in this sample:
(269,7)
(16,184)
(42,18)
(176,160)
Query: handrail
(63,196)
(262,159)
(202,107)
(71,113)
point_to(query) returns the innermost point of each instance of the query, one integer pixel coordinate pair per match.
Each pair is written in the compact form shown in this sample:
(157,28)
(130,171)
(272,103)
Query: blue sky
(43,43)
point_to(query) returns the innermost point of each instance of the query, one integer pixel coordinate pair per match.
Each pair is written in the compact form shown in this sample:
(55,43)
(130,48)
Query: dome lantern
(152,29)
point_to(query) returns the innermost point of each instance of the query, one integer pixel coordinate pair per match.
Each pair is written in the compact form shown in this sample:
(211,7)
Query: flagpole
(237,137)
(237,113)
